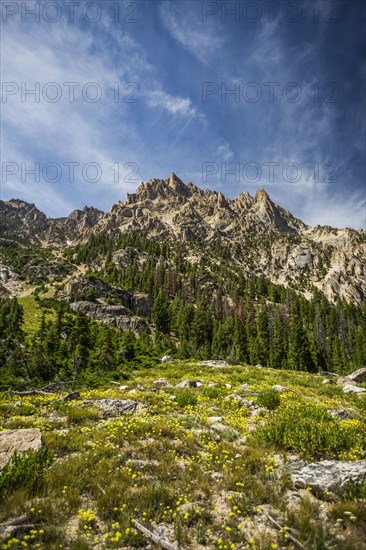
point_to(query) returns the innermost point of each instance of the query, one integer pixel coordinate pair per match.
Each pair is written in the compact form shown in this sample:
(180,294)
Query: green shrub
(269,398)
(307,428)
(212,393)
(186,397)
(24,470)
(80,415)
(90,295)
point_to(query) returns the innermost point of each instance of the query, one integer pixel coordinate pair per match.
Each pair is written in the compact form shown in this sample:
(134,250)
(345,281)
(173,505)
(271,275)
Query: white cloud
(224,152)
(103,132)
(183,20)
(173,104)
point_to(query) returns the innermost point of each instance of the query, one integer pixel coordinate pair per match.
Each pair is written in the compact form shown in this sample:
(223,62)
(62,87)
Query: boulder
(189,384)
(339,414)
(350,388)
(161,383)
(115,407)
(218,427)
(280,389)
(166,359)
(233,397)
(357,376)
(214,419)
(18,441)
(212,363)
(259,366)
(326,475)
(240,400)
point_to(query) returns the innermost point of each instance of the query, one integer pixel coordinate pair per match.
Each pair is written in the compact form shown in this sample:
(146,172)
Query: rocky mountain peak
(261,196)
(88,213)
(18,203)
(244,200)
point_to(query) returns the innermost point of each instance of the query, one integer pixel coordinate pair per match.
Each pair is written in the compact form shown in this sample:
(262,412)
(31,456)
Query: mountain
(262,238)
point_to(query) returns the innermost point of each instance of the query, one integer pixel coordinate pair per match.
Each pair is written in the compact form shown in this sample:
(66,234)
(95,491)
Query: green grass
(167,466)
(33,313)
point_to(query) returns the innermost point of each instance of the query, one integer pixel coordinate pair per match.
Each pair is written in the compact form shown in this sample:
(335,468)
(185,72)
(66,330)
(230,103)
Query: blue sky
(294,124)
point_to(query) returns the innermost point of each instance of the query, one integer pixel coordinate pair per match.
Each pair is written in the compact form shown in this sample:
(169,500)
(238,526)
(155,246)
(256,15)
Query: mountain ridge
(263,238)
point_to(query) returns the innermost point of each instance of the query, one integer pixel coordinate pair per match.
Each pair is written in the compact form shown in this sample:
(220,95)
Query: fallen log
(154,538)
(32,392)
(280,528)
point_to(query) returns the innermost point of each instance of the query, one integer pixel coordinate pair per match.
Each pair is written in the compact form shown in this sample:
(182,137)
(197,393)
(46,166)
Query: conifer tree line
(203,309)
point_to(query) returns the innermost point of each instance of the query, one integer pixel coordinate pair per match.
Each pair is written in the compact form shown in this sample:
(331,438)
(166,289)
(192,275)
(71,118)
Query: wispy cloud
(183,20)
(173,104)
(106,132)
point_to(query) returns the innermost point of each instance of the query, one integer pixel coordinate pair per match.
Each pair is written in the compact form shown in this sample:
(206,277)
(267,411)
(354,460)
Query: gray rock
(189,384)
(259,366)
(17,441)
(116,315)
(357,376)
(218,427)
(115,407)
(214,419)
(259,411)
(326,475)
(212,363)
(166,359)
(161,383)
(327,381)
(326,373)
(339,415)
(350,388)
(241,401)
(234,397)
(280,389)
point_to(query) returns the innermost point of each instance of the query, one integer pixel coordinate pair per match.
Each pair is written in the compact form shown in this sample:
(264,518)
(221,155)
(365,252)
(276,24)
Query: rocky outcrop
(115,407)
(357,376)
(214,363)
(350,388)
(326,475)
(18,441)
(117,316)
(79,288)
